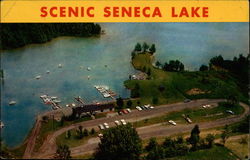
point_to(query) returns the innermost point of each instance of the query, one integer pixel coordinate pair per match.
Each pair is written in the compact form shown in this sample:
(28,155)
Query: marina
(105,91)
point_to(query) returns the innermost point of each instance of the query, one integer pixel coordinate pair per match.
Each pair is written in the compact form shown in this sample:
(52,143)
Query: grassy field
(196,115)
(238,147)
(50,126)
(73,141)
(213,84)
(215,153)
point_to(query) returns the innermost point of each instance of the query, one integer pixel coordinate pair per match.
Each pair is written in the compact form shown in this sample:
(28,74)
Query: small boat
(57,101)
(43,96)
(59,65)
(88,77)
(88,68)
(12,102)
(47,71)
(53,98)
(1,125)
(38,77)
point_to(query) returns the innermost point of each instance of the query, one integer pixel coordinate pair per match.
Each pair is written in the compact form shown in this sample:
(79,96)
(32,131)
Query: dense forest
(14,35)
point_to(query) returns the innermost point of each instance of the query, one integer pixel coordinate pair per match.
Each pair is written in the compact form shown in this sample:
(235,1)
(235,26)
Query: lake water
(192,43)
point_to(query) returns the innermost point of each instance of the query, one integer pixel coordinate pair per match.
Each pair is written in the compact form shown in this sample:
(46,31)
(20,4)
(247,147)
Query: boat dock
(79,99)
(53,101)
(105,91)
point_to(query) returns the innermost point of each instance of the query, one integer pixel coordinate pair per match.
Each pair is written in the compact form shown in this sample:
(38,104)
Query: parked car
(229,111)
(147,106)
(206,106)
(151,107)
(143,108)
(138,108)
(120,113)
(100,135)
(106,125)
(172,122)
(101,126)
(129,110)
(186,117)
(117,123)
(123,122)
(124,111)
(187,100)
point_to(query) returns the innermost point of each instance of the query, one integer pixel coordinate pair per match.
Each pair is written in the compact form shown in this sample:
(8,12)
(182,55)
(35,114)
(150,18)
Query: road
(49,146)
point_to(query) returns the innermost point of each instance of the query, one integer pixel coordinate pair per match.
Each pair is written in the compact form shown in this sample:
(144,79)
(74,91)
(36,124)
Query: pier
(79,99)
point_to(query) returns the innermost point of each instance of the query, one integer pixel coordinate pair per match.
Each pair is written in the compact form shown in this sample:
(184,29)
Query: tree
(92,131)
(149,72)
(119,143)
(158,64)
(119,102)
(135,91)
(129,103)
(79,132)
(133,54)
(179,140)
(145,47)
(217,61)
(156,153)
(210,140)
(155,100)
(168,142)
(62,121)
(203,68)
(63,152)
(152,49)
(85,132)
(138,47)
(68,134)
(195,137)
(225,134)
(161,88)
(173,66)
(232,99)
(152,144)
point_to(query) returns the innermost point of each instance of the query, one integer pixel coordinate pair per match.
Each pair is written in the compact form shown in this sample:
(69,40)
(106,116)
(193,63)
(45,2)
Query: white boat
(37,77)
(1,125)
(59,65)
(54,97)
(57,101)
(47,71)
(12,102)
(88,77)
(88,68)
(43,96)
(106,95)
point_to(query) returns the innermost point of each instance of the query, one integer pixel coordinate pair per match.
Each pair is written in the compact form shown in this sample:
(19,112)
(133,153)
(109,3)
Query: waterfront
(191,43)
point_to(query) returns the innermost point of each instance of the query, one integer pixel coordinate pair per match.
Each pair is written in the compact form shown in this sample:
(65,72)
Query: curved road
(49,146)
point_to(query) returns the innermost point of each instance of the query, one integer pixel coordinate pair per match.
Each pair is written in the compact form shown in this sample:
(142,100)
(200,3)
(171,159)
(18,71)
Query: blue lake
(192,43)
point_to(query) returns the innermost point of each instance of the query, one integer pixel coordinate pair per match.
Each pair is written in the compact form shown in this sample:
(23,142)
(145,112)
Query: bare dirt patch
(195,91)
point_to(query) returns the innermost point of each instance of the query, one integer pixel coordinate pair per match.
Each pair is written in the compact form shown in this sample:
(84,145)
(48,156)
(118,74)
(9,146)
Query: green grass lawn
(196,115)
(215,153)
(176,84)
(73,141)
(50,126)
